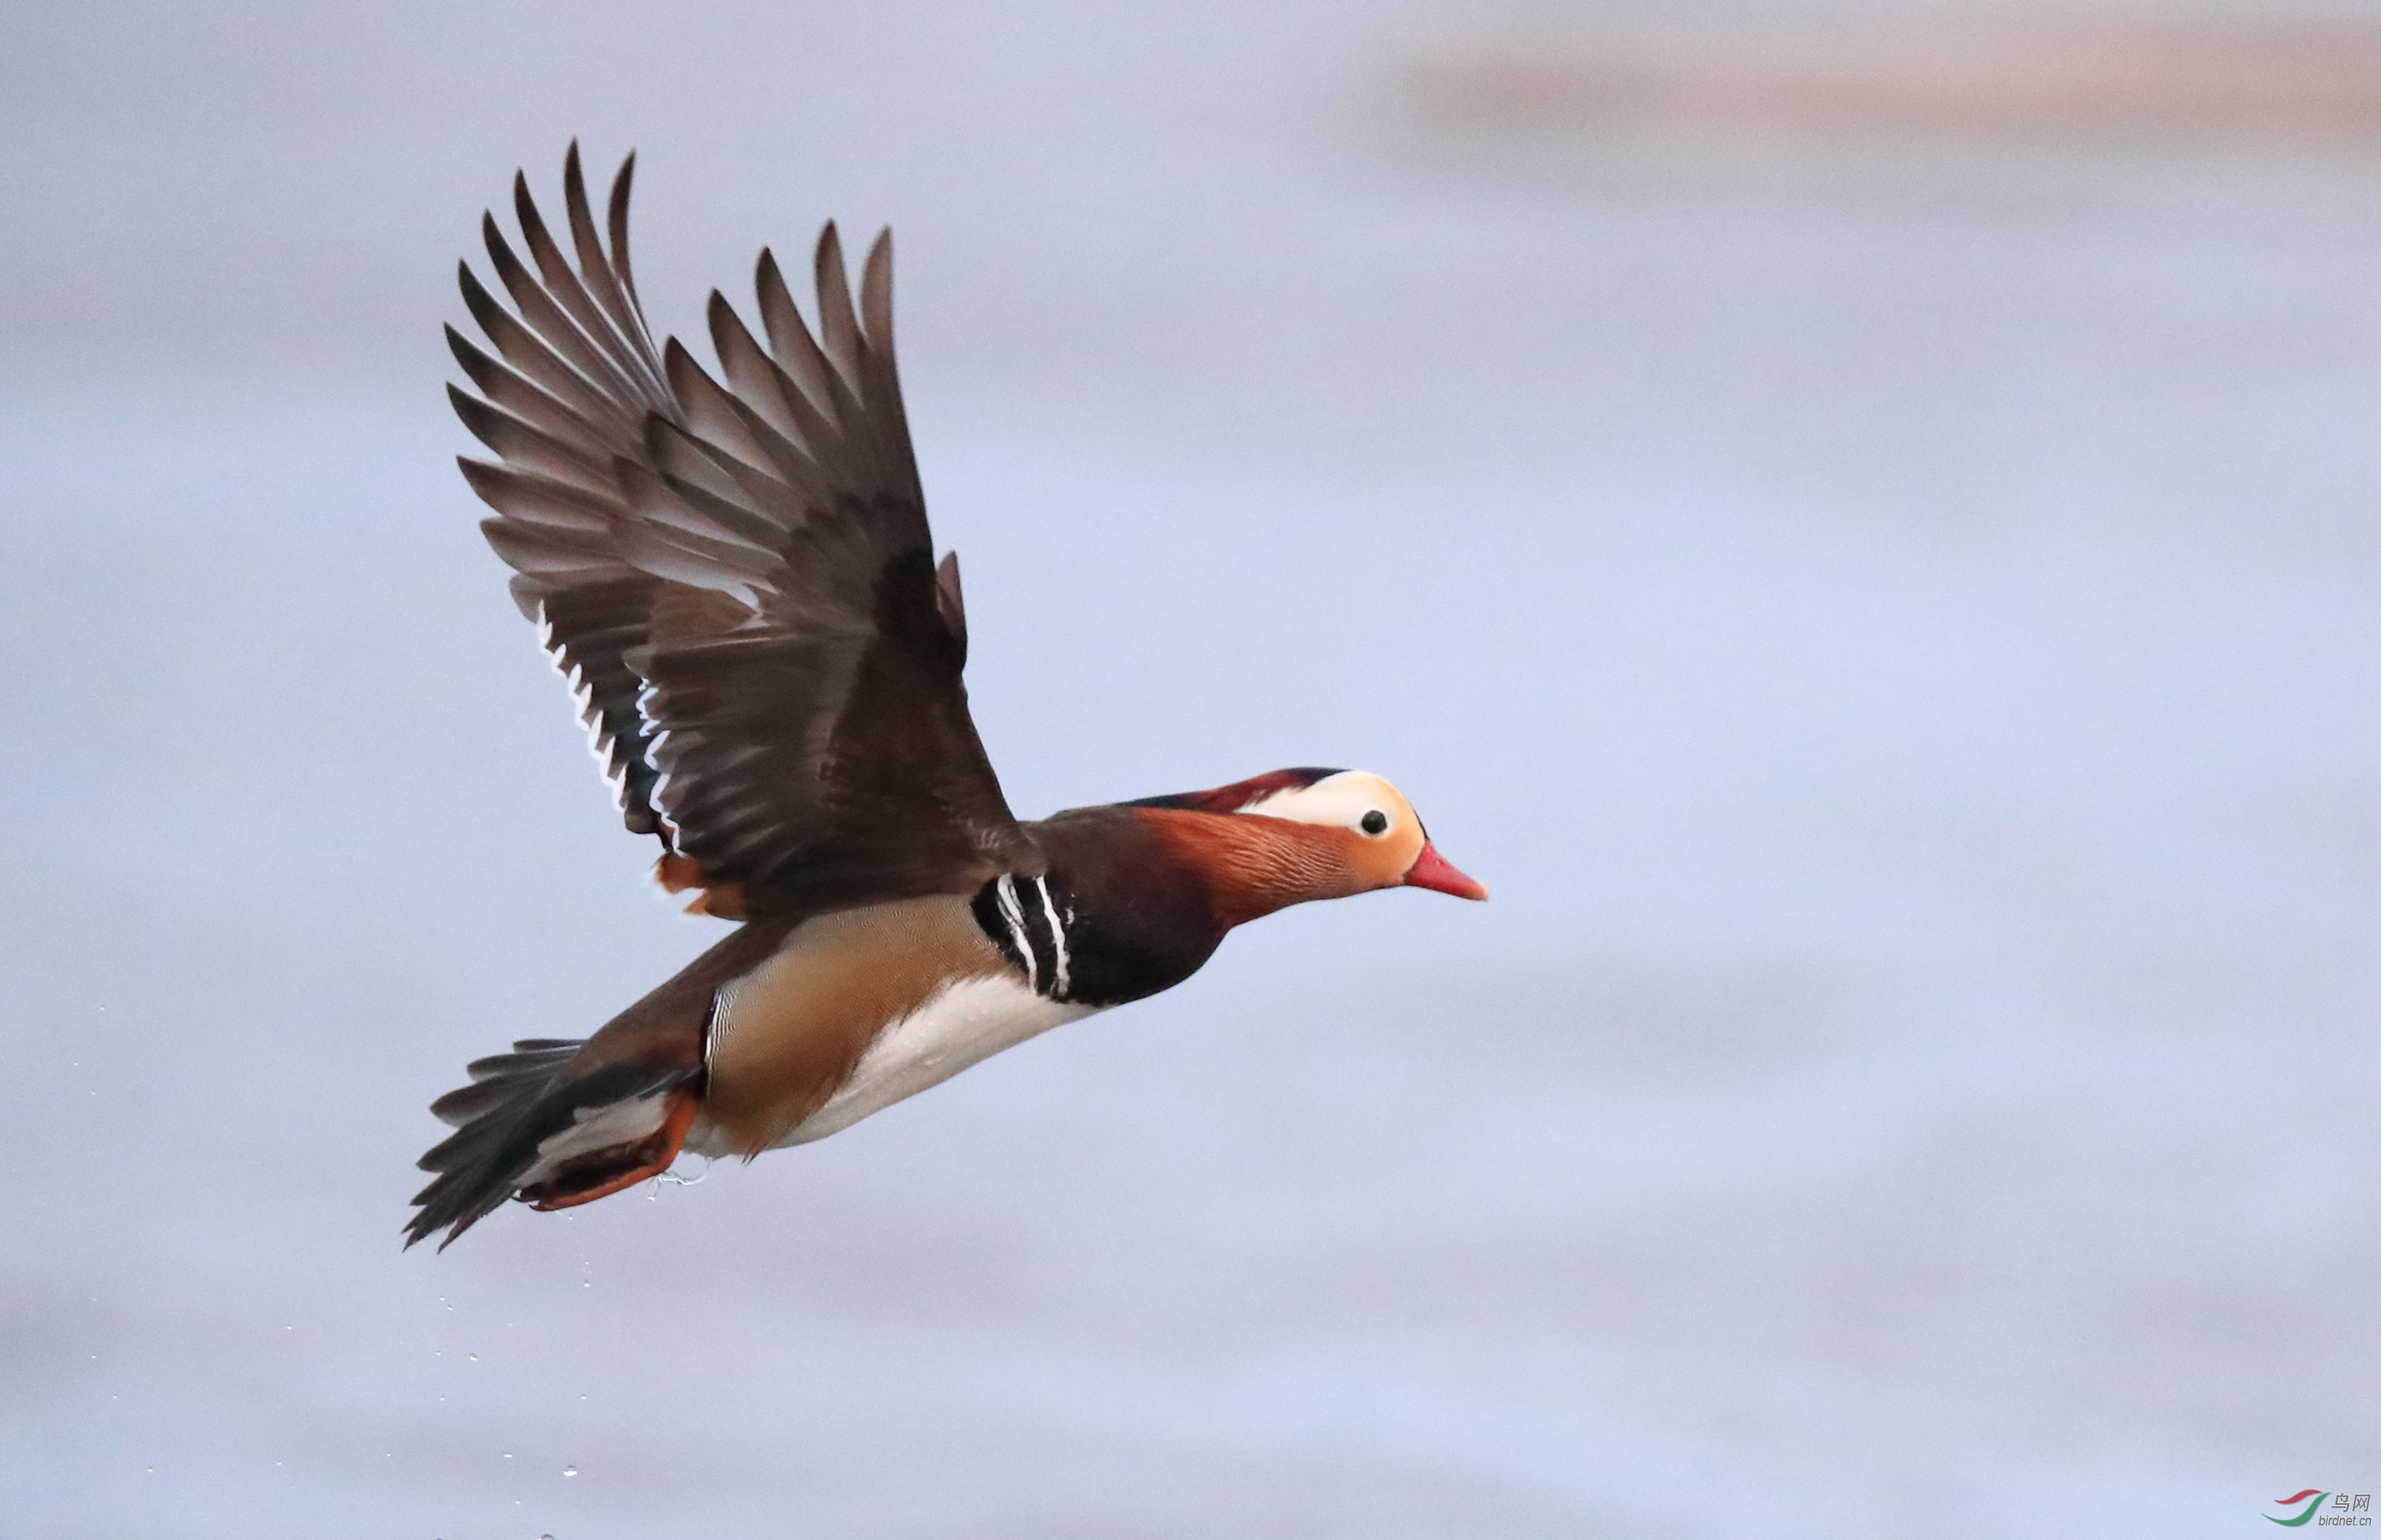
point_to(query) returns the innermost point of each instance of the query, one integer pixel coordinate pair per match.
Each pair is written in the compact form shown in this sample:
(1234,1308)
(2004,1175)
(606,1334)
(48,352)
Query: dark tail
(533,1124)
(555,1123)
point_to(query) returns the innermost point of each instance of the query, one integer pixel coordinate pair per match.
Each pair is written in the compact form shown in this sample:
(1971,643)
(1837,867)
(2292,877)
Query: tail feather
(503,1078)
(557,1122)
(528,1127)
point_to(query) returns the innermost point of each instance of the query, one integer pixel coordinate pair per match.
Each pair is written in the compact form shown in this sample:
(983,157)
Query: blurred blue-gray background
(1889,599)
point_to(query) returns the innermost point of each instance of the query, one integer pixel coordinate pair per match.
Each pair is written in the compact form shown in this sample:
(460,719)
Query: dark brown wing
(745,565)
(573,378)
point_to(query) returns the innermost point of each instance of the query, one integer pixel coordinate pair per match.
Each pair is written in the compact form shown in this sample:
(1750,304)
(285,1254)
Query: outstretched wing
(737,576)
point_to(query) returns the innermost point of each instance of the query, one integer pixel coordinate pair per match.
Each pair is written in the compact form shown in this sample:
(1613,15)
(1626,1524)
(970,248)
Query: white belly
(967,1024)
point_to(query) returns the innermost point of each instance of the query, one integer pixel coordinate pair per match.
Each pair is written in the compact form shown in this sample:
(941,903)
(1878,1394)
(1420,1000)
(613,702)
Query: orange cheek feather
(1253,865)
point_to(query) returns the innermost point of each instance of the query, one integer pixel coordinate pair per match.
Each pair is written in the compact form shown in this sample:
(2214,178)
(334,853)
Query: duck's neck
(1253,865)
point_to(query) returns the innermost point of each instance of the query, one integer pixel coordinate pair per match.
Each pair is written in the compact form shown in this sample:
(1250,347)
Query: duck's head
(1353,833)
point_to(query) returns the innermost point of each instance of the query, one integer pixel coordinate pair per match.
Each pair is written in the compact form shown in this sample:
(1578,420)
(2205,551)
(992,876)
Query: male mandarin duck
(736,577)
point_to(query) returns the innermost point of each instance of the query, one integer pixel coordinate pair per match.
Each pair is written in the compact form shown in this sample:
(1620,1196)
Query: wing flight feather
(734,572)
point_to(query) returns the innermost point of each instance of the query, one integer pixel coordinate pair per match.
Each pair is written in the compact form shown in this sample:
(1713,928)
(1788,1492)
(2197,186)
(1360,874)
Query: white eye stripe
(1355,802)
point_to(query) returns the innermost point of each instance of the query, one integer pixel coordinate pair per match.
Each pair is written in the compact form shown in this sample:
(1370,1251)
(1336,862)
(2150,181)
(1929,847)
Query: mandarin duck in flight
(734,576)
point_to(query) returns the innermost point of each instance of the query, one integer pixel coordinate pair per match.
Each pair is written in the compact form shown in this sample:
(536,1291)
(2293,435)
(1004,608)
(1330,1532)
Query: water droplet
(672,1176)
(508,1454)
(570,1469)
(473,1357)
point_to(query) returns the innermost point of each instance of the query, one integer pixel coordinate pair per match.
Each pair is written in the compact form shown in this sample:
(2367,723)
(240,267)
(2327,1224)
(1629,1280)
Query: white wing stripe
(583,694)
(655,735)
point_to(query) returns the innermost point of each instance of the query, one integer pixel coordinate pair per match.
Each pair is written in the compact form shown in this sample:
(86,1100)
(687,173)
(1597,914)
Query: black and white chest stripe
(1028,921)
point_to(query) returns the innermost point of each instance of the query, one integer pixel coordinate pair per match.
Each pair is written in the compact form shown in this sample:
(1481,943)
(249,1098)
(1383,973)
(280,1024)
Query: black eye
(1374,822)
